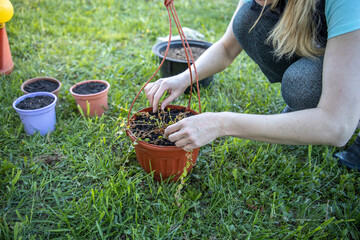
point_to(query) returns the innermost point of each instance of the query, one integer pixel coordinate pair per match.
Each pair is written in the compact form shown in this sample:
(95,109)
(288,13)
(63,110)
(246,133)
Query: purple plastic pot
(40,120)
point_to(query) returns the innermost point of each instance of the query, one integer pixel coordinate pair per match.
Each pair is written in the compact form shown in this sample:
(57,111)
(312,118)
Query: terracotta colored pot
(164,161)
(6,62)
(56,91)
(98,102)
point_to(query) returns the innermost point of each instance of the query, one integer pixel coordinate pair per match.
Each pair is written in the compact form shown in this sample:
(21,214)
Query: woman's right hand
(175,86)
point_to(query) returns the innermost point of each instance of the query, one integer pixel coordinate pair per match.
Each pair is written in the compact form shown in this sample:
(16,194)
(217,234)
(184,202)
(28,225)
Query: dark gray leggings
(301,78)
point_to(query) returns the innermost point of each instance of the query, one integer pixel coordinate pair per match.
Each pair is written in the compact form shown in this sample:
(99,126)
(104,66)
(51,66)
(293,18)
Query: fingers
(175,86)
(154,92)
(189,147)
(181,136)
(172,129)
(183,140)
(182,143)
(160,91)
(150,90)
(168,100)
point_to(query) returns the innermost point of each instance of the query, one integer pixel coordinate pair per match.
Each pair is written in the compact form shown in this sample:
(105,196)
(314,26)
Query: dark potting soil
(150,127)
(89,88)
(42,85)
(179,53)
(36,102)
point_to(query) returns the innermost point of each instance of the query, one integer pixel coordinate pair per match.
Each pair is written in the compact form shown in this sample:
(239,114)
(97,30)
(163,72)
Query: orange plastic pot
(164,161)
(56,91)
(97,102)
(6,62)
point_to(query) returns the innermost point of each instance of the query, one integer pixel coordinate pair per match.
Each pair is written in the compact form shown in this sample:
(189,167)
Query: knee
(302,84)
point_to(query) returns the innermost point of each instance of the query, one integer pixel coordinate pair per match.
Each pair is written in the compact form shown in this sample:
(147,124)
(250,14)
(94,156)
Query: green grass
(84,182)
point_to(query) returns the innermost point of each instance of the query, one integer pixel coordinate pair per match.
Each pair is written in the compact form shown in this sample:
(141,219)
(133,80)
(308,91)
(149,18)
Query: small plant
(151,126)
(167,160)
(189,156)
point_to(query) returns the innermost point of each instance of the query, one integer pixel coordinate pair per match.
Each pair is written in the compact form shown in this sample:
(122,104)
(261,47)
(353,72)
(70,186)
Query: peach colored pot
(56,91)
(98,102)
(164,161)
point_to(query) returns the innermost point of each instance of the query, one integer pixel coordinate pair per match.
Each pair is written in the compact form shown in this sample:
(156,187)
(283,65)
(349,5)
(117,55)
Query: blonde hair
(296,31)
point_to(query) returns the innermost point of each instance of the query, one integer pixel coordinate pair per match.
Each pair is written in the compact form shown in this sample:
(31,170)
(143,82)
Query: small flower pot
(41,84)
(40,120)
(164,161)
(174,66)
(92,103)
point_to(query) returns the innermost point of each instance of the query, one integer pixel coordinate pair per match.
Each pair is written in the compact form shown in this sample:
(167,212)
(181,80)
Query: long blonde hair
(296,31)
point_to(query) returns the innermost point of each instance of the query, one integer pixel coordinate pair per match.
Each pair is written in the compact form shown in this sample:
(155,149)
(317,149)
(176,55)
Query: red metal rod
(162,62)
(170,7)
(183,37)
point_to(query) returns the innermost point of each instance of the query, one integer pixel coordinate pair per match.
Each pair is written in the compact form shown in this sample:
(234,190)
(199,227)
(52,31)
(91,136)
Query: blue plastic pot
(40,120)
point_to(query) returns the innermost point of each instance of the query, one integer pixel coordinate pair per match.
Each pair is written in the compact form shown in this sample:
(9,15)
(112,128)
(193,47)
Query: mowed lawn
(83,180)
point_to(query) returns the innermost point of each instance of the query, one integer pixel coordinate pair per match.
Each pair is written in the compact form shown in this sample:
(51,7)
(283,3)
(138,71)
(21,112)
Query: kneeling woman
(311,47)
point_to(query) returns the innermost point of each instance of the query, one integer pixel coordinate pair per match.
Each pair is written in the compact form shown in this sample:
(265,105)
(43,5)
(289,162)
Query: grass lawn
(83,181)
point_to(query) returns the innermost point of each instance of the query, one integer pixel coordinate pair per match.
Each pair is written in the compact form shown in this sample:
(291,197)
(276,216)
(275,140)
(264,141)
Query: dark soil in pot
(42,85)
(150,127)
(89,88)
(176,61)
(36,102)
(179,53)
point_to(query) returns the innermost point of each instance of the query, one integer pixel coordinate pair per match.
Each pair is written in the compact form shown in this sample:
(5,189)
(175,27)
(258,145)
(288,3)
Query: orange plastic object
(6,63)
(97,102)
(164,161)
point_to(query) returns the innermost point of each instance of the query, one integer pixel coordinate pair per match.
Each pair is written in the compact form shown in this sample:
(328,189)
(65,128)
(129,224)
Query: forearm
(312,126)
(334,120)
(214,60)
(218,57)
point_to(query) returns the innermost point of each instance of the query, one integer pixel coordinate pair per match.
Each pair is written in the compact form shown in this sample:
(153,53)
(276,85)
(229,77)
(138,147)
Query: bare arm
(219,56)
(332,123)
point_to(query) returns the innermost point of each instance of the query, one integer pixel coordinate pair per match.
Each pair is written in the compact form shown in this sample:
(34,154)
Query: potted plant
(153,151)
(41,84)
(91,96)
(176,62)
(37,112)
(146,129)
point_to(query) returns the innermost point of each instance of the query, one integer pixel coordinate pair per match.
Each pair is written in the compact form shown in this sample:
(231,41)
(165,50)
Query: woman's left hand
(194,131)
